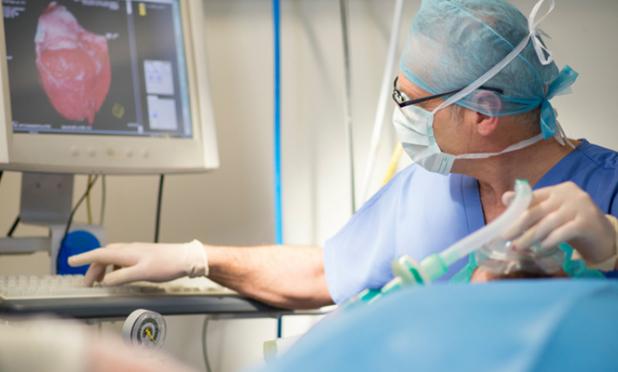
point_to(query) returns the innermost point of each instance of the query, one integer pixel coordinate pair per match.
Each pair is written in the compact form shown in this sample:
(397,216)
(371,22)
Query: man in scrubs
(473,110)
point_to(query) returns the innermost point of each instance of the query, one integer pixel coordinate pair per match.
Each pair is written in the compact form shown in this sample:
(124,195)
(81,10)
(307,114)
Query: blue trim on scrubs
(420,213)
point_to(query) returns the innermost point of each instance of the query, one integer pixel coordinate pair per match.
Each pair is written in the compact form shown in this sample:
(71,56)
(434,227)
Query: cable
(393,165)
(159,202)
(383,100)
(349,130)
(204,344)
(103,199)
(277,132)
(17,219)
(277,123)
(88,203)
(75,208)
(14,226)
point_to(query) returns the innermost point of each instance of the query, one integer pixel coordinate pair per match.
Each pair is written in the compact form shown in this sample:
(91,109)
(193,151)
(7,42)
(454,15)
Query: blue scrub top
(421,213)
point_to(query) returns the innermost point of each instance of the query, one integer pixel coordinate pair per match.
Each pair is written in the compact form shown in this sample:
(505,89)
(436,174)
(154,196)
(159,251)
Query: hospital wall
(234,205)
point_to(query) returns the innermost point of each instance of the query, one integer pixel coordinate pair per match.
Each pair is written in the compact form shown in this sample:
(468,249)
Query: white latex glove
(143,261)
(564,213)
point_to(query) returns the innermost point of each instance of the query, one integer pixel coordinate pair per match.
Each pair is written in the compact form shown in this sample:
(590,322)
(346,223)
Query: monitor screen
(97,67)
(105,86)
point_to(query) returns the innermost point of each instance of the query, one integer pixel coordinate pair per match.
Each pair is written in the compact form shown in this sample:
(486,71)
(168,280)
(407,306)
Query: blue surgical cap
(452,43)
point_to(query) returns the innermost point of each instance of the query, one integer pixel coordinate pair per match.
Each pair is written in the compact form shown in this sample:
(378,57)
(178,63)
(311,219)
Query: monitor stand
(46,200)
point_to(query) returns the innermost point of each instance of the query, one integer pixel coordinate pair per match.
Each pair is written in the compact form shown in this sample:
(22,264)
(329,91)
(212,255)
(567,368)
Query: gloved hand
(564,213)
(143,261)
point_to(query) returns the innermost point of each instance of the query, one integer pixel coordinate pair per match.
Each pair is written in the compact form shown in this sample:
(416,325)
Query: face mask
(414,125)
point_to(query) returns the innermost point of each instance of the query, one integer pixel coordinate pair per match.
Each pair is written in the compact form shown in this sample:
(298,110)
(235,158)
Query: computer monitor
(105,86)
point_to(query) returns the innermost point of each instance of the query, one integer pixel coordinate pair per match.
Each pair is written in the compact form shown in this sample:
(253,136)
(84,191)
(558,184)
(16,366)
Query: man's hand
(143,261)
(564,213)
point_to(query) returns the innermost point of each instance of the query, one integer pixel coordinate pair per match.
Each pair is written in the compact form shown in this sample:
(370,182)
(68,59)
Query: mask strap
(561,136)
(538,47)
(515,147)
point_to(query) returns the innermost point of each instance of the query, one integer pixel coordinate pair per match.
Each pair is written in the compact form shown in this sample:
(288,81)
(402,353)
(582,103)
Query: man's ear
(486,125)
(491,103)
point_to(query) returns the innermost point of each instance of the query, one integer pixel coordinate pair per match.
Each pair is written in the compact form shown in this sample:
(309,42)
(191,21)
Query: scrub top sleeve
(359,256)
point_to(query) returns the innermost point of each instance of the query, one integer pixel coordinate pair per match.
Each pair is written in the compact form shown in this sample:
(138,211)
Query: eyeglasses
(403,101)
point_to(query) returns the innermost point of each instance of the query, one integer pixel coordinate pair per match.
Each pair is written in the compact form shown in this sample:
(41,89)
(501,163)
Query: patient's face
(483,275)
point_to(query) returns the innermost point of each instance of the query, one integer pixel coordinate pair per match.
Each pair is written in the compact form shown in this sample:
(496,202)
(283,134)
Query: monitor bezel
(96,154)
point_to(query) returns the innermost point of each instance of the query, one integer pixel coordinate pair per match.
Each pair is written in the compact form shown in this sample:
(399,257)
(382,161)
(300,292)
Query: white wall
(234,204)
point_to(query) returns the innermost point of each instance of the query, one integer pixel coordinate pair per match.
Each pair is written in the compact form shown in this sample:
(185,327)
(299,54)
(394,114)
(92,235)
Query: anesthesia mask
(498,261)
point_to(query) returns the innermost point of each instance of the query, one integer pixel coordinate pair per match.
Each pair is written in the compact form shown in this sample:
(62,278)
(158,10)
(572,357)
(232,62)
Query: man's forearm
(288,277)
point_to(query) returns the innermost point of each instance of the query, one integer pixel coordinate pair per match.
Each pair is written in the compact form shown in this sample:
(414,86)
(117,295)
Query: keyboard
(67,296)
(31,287)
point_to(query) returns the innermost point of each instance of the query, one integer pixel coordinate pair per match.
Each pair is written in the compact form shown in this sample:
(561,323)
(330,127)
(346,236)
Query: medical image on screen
(73,64)
(108,67)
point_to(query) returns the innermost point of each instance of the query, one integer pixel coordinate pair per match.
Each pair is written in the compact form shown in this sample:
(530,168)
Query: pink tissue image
(73,64)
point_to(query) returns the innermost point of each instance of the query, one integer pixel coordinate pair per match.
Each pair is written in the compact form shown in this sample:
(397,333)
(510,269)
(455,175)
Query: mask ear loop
(561,136)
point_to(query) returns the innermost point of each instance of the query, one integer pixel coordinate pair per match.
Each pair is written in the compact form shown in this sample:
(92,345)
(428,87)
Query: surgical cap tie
(561,85)
(545,56)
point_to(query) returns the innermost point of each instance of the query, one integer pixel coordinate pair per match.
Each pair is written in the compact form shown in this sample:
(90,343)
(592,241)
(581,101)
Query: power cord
(76,207)
(159,202)
(204,344)
(91,183)
(17,219)
(89,204)
(103,199)
(344,6)
(14,226)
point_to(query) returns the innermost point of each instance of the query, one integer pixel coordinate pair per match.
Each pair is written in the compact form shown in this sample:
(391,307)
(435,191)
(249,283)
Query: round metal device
(146,328)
